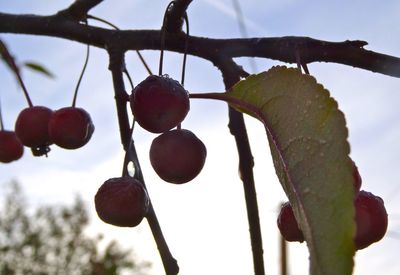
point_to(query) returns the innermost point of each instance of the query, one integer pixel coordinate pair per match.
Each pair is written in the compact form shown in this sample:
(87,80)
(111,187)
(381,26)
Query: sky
(204,221)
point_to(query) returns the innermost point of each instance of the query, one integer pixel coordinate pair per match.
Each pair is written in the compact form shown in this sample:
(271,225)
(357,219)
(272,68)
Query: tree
(52,240)
(221,52)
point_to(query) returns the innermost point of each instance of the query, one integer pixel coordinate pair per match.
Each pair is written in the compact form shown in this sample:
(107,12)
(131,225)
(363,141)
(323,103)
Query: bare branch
(175,15)
(350,53)
(117,67)
(231,74)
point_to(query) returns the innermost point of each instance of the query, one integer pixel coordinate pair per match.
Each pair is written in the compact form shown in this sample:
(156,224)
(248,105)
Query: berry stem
(81,75)
(186,47)
(144,63)
(102,21)
(9,59)
(21,83)
(129,78)
(305,68)
(162,43)
(300,64)
(127,157)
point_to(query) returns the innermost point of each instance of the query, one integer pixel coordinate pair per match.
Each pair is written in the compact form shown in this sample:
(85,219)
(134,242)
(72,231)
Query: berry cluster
(158,104)
(371,218)
(37,127)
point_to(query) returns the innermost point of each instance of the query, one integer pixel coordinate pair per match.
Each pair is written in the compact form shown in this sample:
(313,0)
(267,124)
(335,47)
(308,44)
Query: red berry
(356,178)
(288,226)
(31,126)
(70,127)
(122,202)
(159,103)
(177,156)
(11,147)
(371,219)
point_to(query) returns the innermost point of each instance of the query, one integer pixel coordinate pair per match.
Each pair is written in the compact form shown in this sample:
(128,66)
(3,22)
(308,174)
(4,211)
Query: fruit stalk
(81,75)
(9,59)
(117,67)
(162,39)
(185,53)
(21,83)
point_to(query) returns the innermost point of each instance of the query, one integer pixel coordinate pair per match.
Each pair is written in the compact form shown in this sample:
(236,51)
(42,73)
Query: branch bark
(351,53)
(231,74)
(117,67)
(175,16)
(79,9)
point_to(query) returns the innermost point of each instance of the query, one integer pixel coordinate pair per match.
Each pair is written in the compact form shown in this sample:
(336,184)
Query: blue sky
(205,220)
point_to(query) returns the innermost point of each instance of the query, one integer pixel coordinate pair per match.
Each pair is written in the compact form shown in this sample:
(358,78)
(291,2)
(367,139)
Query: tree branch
(117,67)
(231,73)
(79,9)
(175,15)
(284,49)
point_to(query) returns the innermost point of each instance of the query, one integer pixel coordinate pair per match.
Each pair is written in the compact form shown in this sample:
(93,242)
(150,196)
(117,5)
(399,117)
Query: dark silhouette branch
(117,67)
(175,16)
(79,9)
(350,53)
(231,74)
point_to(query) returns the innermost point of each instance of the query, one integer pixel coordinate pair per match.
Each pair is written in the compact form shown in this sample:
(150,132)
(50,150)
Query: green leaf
(38,68)
(308,140)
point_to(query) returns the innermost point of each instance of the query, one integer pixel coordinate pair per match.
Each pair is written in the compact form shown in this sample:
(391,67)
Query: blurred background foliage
(51,239)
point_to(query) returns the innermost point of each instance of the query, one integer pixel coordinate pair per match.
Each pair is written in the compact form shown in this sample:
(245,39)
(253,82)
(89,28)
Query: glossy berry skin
(122,202)
(70,127)
(159,103)
(31,126)
(371,219)
(288,226)
(177,156)
(11,147)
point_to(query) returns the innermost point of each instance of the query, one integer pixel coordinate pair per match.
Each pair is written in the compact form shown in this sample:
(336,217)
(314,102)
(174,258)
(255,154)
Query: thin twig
(162,38)
(238,130)
(10,61)
(81,76)
(144,62)
(129,78)
(21,83)
(185,53)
